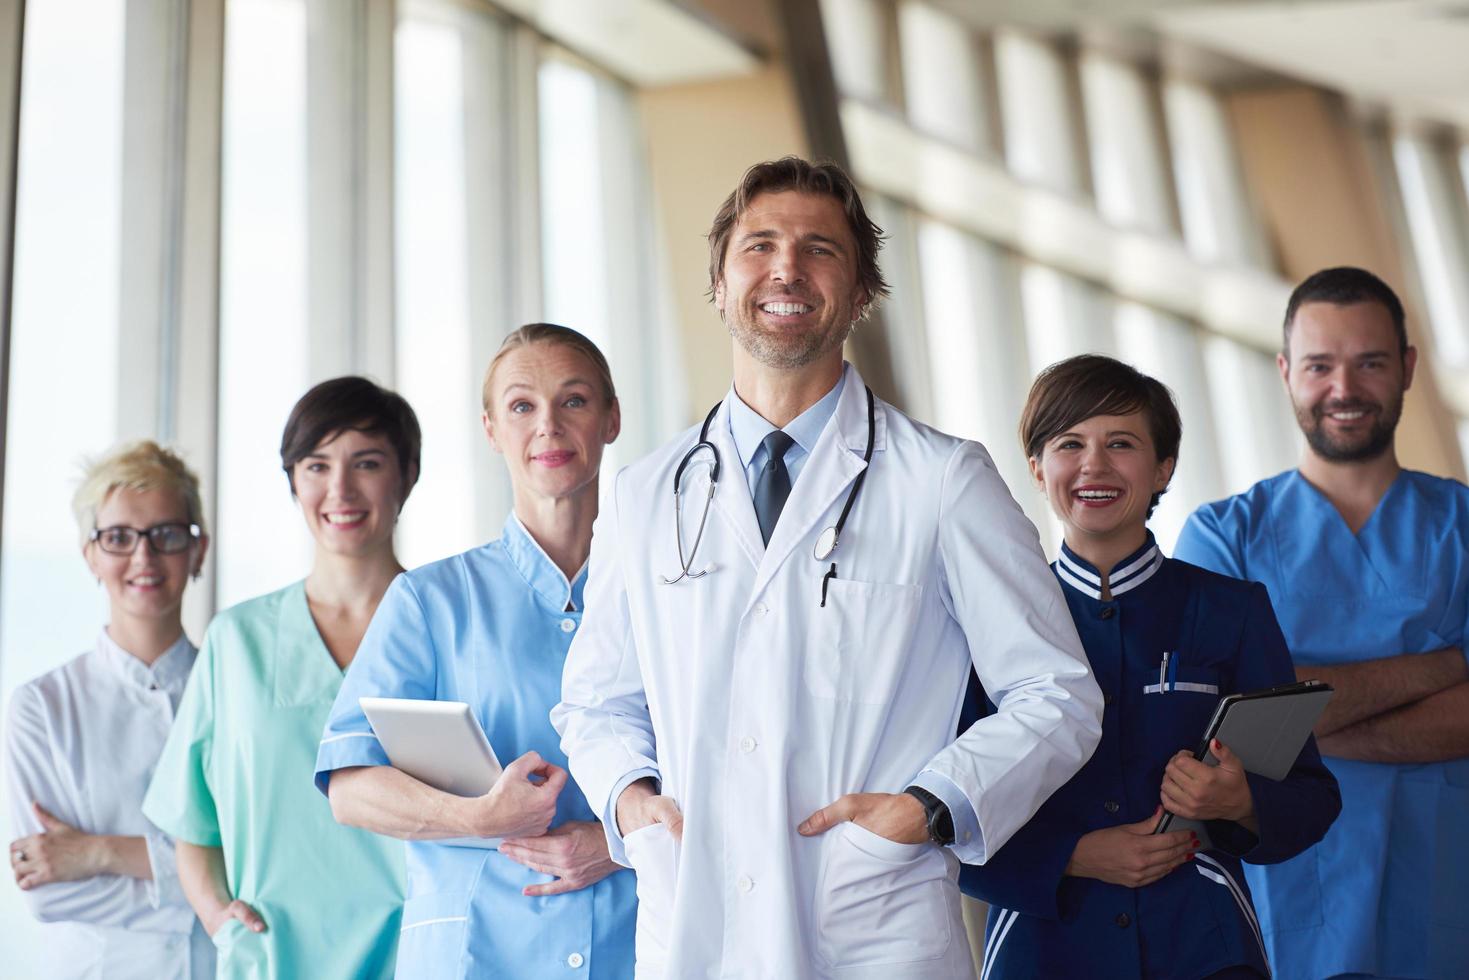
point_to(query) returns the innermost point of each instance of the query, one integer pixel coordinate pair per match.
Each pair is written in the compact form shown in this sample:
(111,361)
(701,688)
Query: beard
(1349,449)
(785,350)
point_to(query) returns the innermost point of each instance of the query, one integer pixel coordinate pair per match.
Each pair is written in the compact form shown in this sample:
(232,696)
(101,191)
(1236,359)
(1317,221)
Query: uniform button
(747,744)
(745,884)
(1111,806)
(1107,698)
(574,960)
(1108,612)
(760,609)
(1123,919)
(568,625)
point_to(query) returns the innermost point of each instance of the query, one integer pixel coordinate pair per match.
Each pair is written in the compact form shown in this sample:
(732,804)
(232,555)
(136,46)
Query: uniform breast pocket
(859,641)
(1178,707)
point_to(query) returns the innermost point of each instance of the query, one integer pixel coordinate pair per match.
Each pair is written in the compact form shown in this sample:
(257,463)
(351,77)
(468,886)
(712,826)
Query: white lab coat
(755,707)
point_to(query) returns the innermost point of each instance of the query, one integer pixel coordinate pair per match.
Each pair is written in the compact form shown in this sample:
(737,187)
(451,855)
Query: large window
(63,371)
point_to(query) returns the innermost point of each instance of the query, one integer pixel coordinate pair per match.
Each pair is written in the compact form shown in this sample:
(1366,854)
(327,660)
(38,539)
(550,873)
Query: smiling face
(789,291)
(1099,477)
(548,416)
(350,490)
(144,585)
(1346,375)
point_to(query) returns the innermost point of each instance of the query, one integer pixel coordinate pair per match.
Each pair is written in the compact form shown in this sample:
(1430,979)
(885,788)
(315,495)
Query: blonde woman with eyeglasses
(82,741)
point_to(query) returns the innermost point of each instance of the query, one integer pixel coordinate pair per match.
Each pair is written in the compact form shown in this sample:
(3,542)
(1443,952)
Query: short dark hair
(1344,285)
(795,174)
(355,403)
(1079,388)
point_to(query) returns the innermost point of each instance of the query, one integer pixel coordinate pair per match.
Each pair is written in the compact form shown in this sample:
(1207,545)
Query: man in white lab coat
(769,738)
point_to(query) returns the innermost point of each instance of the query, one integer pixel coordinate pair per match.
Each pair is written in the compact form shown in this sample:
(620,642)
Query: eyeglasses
(164,539)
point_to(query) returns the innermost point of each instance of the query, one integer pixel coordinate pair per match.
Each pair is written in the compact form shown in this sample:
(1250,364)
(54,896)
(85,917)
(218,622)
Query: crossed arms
(1412,708)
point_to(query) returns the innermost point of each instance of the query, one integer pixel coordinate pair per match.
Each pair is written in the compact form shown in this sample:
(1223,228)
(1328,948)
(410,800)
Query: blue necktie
(773,485)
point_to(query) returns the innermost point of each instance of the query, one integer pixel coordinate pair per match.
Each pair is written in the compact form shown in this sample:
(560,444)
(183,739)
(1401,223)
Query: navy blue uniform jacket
(1222,638)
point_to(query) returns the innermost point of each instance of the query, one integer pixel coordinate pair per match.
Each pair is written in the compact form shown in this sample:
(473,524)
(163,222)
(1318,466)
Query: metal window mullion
(490,188)
(12,34)
(195,355)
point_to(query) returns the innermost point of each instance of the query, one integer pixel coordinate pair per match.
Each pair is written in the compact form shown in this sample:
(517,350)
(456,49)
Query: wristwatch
(940,820)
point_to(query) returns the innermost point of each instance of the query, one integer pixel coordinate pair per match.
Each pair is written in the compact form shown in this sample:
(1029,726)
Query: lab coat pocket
(652,852)
(882,903)
(859,642)
(432,940)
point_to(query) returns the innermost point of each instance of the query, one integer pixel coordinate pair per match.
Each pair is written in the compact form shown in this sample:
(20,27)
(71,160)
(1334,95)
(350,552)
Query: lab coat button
(568,625)
(747,744)
(1123,919)
(1111,806)
(760,609)
(1108,612)
(745,884)
(574,960)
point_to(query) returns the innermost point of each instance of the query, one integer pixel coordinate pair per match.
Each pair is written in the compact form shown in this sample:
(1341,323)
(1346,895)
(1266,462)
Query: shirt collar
(1132,571)
(748,428)
(169,672)
(537,568)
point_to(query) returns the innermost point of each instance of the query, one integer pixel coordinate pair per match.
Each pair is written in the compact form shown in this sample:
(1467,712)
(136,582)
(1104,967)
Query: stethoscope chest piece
(826,543)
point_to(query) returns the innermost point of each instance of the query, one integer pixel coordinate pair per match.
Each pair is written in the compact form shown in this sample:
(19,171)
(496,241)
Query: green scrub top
(236,773)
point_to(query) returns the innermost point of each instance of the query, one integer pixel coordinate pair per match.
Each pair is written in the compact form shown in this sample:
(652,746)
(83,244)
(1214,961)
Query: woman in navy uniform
(1086,888)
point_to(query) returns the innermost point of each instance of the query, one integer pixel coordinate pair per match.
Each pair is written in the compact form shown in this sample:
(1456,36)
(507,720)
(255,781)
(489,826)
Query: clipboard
(1266,731)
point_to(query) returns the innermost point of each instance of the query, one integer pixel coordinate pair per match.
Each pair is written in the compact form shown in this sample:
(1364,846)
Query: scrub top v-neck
(236,774)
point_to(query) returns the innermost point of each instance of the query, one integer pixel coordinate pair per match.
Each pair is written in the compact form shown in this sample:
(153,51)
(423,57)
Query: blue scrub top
(491,628)
(1222,638)
(1387,892)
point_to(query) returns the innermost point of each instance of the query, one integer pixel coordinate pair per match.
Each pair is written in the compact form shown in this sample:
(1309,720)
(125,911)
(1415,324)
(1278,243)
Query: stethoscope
(826,541)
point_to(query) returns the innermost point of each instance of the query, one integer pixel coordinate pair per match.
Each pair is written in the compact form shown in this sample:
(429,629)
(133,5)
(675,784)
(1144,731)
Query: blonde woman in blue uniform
(1086,888)
(491,627)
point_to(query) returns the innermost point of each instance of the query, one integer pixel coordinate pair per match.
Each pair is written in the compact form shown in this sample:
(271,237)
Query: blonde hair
(549,333)
(138,466)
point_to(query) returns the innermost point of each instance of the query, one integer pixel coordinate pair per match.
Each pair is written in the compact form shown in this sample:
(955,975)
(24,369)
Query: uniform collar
(537,568)
(747,427)
(169,671)
(1132,571)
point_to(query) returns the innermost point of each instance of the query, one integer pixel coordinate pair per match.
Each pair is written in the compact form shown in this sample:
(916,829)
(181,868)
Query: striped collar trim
(1081,577)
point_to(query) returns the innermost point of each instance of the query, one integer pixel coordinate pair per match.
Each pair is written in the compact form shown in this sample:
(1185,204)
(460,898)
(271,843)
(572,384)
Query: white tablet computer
(436,742)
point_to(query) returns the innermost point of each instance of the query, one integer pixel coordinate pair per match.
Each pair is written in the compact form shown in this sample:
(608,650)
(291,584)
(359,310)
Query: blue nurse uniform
(1387,892)
(1221,637)
(489,627)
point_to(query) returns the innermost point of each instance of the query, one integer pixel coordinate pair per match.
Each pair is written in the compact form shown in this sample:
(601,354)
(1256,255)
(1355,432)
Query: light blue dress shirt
(489,627)
(1385,892)
(747,428)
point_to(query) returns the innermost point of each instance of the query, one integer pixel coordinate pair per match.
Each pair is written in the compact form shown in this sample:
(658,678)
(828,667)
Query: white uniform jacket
(755,706)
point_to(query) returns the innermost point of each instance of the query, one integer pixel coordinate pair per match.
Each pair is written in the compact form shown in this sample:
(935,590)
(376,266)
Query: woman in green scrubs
(283,890)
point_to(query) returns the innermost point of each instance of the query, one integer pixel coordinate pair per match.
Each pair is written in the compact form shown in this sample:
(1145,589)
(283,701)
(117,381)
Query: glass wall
(260,541)
(64,344)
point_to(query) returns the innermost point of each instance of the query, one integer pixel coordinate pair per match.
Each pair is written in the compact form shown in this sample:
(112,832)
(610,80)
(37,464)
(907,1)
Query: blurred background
(208,205)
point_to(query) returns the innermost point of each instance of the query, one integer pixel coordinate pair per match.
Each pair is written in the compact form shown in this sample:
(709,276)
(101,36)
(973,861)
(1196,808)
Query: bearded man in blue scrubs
(1367,565)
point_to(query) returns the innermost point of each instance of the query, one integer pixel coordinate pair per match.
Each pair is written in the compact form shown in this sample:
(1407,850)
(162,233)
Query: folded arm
(1433,729)
(1373,687)
(68,874)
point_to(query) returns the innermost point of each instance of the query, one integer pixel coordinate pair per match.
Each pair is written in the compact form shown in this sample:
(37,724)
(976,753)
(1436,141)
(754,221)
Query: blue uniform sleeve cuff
(615,850)
(345,750)
(968,840)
